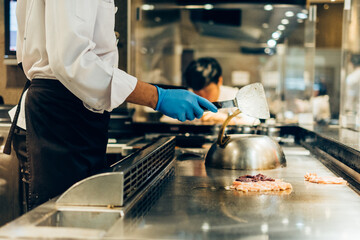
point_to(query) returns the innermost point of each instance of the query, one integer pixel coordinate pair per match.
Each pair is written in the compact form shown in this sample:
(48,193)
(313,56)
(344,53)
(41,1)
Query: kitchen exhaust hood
(251,23)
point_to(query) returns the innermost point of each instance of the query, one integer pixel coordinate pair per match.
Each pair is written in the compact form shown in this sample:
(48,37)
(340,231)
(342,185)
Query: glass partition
(350,68)
(252,42)
(299,73)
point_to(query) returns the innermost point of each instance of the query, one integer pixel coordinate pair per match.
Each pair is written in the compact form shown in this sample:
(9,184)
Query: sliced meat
(314,178)
(261,186)
(254,178)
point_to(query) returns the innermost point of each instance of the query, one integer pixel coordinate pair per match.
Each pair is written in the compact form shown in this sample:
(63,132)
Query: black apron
(65,142)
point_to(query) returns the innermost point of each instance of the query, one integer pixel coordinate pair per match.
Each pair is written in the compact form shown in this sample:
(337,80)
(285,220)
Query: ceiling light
(269,51)
(268,7)
(208,6)
(281,27)
(289,13)
(301,16)
(271,43)
(147,7)
(205,227)
(276,35)
(285,21)
(265,25)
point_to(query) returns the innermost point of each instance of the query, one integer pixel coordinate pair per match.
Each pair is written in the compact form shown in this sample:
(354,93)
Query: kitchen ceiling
(256,24)
(249,22)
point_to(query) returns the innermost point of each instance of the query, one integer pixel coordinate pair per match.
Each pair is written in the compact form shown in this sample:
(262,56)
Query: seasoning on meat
(255,178)
(314,178)
(259,183)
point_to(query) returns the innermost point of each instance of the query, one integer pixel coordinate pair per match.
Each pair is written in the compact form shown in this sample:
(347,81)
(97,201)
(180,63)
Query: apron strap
(7,147)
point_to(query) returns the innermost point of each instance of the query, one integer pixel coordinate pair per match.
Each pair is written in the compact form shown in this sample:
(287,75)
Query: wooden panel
(329,25)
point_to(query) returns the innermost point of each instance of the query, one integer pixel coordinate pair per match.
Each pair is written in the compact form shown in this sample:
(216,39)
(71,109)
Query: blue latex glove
(182,104)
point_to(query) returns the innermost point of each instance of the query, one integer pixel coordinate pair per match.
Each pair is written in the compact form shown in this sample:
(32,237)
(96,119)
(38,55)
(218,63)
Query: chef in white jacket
(68,52)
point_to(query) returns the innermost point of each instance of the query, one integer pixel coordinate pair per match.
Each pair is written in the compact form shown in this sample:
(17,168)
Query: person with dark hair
(204,77)
(355,60)
(320,102)
(351,103)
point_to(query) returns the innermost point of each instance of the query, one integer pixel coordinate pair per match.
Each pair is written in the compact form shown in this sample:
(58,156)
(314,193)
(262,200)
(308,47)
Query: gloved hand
(182,104)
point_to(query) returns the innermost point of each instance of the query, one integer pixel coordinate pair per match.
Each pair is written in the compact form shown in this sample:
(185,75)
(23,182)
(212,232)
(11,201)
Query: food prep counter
(195,203)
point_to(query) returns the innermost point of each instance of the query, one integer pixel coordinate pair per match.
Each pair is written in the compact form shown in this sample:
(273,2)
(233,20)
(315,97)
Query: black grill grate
(144,170)
(140,210)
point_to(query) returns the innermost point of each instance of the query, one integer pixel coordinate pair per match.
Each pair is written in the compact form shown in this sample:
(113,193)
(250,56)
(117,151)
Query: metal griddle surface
(195,205)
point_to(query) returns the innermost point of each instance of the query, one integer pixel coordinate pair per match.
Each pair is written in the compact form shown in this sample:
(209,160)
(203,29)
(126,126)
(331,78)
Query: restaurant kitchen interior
(168,179)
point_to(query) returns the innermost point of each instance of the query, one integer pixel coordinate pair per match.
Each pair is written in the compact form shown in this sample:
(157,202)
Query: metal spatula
(251,100)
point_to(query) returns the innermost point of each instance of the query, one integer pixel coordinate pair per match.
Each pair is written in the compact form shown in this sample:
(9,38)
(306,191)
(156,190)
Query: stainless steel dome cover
(247,152)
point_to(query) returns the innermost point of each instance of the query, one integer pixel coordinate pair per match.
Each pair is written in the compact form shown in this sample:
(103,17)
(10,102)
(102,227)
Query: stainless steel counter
(348,137)
(195,205)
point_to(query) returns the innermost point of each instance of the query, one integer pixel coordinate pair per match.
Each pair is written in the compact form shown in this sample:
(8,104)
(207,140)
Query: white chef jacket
(352,91)
(73,41)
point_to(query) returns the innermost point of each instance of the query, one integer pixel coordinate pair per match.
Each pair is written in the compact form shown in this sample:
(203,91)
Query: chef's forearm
(144,94)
